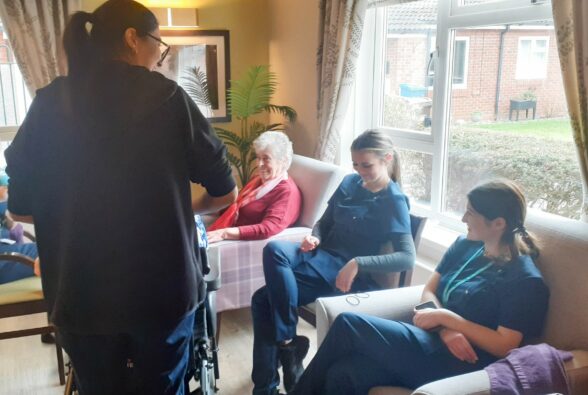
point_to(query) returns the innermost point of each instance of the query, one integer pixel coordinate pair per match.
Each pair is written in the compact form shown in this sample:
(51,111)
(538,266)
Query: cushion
(25,290)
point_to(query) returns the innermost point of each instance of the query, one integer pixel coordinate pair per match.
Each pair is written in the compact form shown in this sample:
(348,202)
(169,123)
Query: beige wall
(292,55)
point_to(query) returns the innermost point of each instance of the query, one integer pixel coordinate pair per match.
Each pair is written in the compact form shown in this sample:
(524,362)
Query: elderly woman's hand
(215,236)
(458,345)
(346,276)
(309,243)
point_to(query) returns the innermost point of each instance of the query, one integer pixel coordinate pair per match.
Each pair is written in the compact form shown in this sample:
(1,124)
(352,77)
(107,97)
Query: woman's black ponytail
(92,38)
(77,44)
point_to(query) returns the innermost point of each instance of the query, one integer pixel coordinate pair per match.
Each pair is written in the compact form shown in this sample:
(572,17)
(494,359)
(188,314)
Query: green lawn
(556,129)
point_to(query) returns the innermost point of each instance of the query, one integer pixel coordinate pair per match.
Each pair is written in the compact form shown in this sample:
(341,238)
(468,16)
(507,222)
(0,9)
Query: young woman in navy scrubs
(367,211)
(490,297)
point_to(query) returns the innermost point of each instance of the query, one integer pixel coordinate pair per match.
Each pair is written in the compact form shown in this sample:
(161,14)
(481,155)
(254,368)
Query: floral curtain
(340,30)
(35,29)
(570,18)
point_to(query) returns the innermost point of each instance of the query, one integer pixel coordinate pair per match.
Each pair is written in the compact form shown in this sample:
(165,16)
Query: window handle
(432,55)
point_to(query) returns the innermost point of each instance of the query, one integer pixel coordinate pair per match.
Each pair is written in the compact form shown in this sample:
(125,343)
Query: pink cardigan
(270,214)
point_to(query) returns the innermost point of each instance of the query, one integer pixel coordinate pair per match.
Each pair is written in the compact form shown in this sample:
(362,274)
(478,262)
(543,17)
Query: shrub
(547,170)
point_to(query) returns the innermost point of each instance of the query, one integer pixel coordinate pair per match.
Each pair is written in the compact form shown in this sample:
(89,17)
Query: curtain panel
(340,29)
(570,18)
(35,30)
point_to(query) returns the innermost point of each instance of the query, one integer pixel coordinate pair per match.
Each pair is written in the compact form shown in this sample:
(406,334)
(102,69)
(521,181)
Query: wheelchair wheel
(205,371)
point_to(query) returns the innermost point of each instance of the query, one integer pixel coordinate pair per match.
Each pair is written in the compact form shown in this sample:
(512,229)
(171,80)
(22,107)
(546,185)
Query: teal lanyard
(449,288)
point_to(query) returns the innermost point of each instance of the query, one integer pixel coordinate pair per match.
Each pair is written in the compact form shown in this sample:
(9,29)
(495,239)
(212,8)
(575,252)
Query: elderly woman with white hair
(269,203)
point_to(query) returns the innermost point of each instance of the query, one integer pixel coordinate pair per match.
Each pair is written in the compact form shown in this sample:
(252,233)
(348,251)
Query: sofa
(564,265)
(240,261)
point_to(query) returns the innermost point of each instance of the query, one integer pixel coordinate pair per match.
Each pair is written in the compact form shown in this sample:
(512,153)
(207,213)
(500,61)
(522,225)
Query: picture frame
(206,51)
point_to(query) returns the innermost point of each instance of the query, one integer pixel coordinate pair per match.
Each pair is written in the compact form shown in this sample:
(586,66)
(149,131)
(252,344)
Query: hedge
(547,170)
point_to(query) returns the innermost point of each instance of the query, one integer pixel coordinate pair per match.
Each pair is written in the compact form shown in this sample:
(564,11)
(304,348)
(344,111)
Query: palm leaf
(252,94)
(275,126)
(255,129)
(229,137)
(286,111)
(196,85)
(235,161)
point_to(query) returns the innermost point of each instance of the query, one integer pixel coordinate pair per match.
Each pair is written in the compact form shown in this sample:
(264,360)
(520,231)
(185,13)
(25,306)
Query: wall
(292,55)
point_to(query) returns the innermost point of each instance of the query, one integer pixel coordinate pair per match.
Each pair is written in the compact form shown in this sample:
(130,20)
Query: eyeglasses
(355,299)
(165,51)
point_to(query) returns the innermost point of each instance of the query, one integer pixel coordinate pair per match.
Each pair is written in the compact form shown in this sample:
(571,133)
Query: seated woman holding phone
(485,298)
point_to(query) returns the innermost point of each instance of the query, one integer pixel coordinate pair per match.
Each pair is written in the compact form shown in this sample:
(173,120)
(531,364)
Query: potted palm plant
(248,96)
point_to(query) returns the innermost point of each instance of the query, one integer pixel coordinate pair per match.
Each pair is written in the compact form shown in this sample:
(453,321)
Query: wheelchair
(205,368)
(203,365)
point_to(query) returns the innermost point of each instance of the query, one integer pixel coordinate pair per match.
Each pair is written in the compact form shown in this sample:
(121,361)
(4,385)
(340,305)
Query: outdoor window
(484,115)
(532,58)
(14,96)
(460,64)
(408,44)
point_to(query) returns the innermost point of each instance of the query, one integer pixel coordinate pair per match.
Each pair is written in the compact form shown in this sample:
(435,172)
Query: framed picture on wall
(199,62)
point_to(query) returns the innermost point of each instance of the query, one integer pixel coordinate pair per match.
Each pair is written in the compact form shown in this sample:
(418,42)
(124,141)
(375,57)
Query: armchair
(564,246)
(385,281)
(24,297)
(241,260)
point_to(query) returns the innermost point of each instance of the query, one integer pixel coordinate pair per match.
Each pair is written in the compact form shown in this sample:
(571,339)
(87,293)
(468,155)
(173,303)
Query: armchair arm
(397,304)
(475,383)
(17,257)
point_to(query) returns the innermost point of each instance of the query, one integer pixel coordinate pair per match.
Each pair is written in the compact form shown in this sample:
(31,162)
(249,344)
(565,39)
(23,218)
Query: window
(486,60)
(460,62)
(14,96)
(532,57)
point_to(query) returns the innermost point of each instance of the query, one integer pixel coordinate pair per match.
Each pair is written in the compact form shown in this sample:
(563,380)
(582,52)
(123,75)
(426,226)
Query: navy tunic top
(512,295)
(360,223)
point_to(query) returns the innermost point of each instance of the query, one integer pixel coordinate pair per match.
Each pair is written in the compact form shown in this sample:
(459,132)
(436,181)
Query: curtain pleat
(35,29)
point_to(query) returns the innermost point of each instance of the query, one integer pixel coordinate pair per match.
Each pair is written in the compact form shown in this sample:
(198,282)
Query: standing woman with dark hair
(102,165)
(367,211)
(489,297)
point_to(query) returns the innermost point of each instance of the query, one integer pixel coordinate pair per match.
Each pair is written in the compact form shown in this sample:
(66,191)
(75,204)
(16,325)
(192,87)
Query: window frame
(367,104)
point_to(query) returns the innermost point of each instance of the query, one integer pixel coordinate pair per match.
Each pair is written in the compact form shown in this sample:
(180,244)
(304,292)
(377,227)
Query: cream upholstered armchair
(563,263)
(240,261)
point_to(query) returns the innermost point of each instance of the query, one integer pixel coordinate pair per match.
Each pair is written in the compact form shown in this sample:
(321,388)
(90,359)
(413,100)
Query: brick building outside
(481,89)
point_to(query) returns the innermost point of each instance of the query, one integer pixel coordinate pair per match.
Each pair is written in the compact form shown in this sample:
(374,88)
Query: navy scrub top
(362,222)
(512,295)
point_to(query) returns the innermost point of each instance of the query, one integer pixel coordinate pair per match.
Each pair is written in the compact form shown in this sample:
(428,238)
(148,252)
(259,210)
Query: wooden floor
(28,367)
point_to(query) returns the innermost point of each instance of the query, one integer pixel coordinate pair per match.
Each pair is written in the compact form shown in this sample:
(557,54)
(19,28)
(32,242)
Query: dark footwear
(291,356)
(47,338)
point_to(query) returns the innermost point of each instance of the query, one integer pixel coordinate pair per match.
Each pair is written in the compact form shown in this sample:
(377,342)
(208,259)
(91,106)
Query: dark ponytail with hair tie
(104,41)
(77,43)
(91,18)
(503,198)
